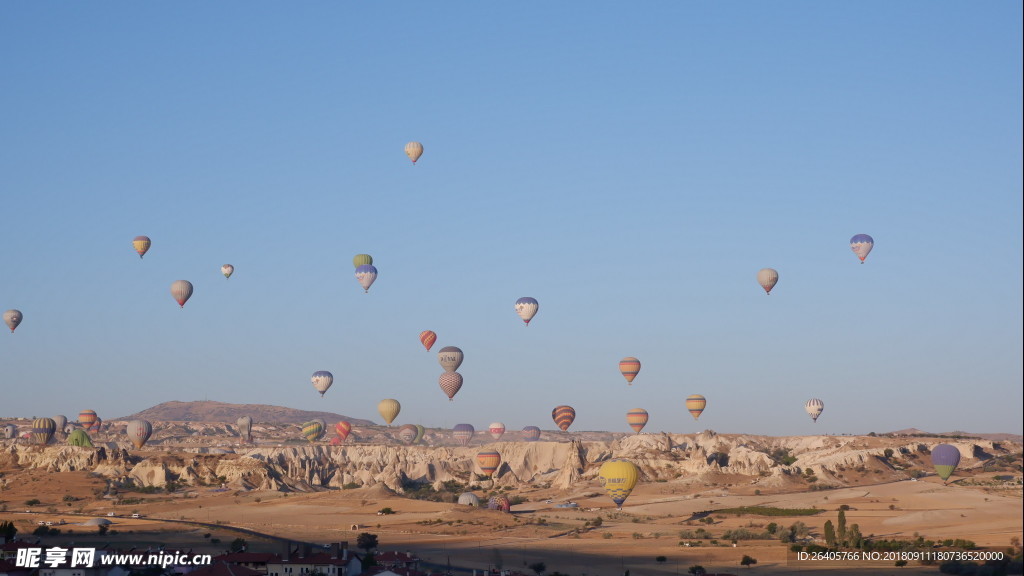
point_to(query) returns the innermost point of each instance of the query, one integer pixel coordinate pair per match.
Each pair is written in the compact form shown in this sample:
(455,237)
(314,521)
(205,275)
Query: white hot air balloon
(814,408)
(767,278)
(322,380)
(414,150)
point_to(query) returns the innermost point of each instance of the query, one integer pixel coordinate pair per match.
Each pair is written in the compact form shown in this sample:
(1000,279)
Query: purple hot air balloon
(531,433)
(945,459)
(463,433)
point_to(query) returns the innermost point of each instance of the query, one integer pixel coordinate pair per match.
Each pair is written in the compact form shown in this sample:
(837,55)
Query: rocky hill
(210,411)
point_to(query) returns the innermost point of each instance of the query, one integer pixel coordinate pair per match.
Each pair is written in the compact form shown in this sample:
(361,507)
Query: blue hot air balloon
(945,459)
(861,244)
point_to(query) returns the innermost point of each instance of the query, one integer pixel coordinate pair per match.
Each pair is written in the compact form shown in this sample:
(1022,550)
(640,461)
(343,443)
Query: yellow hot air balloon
(618,477)
(389,409)
(695,403)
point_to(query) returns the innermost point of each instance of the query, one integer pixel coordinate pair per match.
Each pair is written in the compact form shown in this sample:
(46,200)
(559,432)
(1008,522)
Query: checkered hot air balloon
(451,383)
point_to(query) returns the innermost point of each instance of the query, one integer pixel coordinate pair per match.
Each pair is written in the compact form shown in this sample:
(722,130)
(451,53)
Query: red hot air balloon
(563,416)
(427,338)
(342,429)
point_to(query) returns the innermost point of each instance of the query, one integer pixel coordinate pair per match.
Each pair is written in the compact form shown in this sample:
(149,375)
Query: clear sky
(631,166)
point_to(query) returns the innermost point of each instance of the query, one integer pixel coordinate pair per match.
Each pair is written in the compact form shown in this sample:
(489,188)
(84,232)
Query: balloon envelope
(141,245)
(945,459)
(767,278)
(451,383)
(531,433)
(322,380)
(618,477)
(414,150)
(365,275)
(87,418)
(343,429)
(12,318)
(497,429)
(181,290)
(139,431)
(62,422)
(469,499)
(227,270)
(420,433)
(637,419)
(407,433)
(563,416)
(245,428)
(629,367)
(10,431)
(813,407)
(500,503)
(78,437)
(389,409)
(362,260)
(696,403)
(427,338)
(488,461)
(450,358)
(463,433)
(526,308)
(42,430)
(861,244)
(313,430)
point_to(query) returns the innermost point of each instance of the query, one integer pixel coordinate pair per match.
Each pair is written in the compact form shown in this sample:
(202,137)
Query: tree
(901,563)
(367,541)
(841,532)
(8,530)
(696,570)
(748,561)
(661,559)
(239,545)
(597,522)
(538,568)
(854,538)
(830,534)
(888,453)
(102,529)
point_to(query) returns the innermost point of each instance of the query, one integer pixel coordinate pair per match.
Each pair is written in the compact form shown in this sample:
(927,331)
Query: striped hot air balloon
(342,429)
(813,407)
(629,367)
(42,430)
(450,358)
(181,290)
(427,338)
(463,433)
(87,418)
(13,318)
(861,244)
(696,403)
(389,409)
(563,416)
(313,430)
(138,432)
(531,433)
(366,275)
(420,433)
(945,459)
(141,245)
(407,433)
(526,308)
(451,383)
(414,150)
(767,278)
(618,477)
(488,461)
(637,419)
(497,429)
(322,380)
(362,260)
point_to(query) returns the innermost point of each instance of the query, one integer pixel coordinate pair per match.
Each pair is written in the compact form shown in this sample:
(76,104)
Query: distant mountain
(210,411)
(993,436)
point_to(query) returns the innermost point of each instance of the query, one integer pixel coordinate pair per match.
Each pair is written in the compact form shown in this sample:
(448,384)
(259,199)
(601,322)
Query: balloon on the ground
(389,409)
(13,318)
(629,367)
(451,383)
(945,459)
(526,308)
(696,403)
(563,416)
(497,429)
(499,503)
(463,433)
(141,245)
(488,461)
(427,338)
(79,437)
(450,358)
(227,270)
(414,150)
(342,429)
(362,260)
(618,477)
(244,424)
(814,407)
(861,244)
(138,432)
(10,431)
(637,419)
(181,290)
(469,499)
(365,275)
(322,380)
(767,278)
(531,433)
(313,430)
(42,430)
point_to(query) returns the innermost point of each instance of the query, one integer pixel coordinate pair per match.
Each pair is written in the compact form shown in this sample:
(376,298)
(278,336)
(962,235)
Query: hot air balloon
(637,419)
(62,422)
(618,477)
(488,461)
(227,270)
(313,430)
(365,275)
(420,433)
(499,503)
(343,429)
(322,380)
(97,425)
(389,409)
(629,367)
(563,416)
(861,244)
(767,278)
(469,499)
(42,430)
(463,433)
(245,428)
(527,308)
(138,432)
(181,290)
(696,403)
(814,408)
(362,260)
(10,431)
(414,150)
(87,418)
(531,433)
(945,458)
(427,338)
(12,318)
(450,358)
(407,433)
(451,383)
(141,245)
(79,438)
(496,429)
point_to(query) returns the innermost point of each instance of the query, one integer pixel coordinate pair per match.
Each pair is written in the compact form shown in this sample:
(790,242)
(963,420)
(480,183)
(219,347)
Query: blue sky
(631,167)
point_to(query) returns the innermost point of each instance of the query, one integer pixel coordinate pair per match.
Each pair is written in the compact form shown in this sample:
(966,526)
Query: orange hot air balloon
(342,429)
(87,418)
(695,403)
(629,367)
(489,461)
(141,245)
(563,416)
(427,338)
(637,419)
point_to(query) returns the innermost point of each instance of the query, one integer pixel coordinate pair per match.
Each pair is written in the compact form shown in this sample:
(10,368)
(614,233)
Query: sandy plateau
(322,494)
